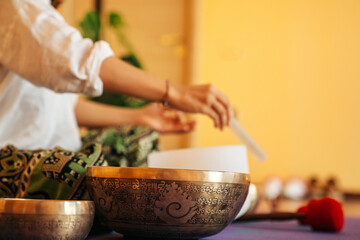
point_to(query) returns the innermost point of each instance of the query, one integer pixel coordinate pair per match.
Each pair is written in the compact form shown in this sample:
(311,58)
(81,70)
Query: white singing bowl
(221,158)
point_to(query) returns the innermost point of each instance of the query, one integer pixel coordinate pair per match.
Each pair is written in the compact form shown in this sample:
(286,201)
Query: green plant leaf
(116,20)
(91,25)
(133,60)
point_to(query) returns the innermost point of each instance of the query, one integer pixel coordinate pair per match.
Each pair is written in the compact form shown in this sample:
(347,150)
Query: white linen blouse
(44,62)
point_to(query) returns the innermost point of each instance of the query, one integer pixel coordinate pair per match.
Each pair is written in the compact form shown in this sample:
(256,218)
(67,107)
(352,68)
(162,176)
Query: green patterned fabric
(46,174)
(59,173)
(125,146)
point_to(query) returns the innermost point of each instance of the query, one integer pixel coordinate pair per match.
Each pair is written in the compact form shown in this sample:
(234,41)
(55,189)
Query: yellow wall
(292,71)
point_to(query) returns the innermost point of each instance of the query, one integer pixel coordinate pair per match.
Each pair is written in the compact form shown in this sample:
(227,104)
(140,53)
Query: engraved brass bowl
(166,203)
(45,219)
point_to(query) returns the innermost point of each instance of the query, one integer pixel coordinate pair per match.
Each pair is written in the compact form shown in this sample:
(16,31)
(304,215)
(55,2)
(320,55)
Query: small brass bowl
(166,203)
(45,219)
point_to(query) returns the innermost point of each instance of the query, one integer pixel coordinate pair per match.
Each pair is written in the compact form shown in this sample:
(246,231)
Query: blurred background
(291,69)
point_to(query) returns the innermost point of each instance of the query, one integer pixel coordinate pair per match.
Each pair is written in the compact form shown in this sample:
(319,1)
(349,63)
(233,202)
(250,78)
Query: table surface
(272,230)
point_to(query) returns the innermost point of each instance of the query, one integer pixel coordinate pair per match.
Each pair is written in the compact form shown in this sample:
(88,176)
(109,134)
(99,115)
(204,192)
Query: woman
(44,63)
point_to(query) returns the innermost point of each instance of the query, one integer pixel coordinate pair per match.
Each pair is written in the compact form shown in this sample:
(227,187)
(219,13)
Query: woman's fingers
(177,126)
(226,104)
(182,122)
(183,128)
(220,104)
(212,114)
(222,114)
(173,121)
(181,118)
(205,99)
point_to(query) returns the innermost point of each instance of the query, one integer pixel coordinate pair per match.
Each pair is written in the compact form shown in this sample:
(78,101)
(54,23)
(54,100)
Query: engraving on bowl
(42,226)
(176,209)
(174,206)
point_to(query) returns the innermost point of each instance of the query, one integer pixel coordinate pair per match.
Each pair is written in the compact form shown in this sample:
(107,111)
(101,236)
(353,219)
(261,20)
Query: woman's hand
(204,99)
(155,116)
(164,119)
(120,77)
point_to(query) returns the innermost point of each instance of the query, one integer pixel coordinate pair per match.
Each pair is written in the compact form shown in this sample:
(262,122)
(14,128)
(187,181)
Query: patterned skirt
(59,173)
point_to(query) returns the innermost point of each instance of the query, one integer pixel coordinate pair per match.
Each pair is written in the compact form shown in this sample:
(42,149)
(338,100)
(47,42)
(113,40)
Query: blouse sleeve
(37,44)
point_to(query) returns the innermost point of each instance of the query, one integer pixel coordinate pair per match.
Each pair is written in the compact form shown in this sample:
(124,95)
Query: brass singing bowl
(166,203)
(45,219)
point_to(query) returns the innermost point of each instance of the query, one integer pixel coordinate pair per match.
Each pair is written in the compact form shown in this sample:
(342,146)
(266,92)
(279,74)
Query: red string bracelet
(166,95)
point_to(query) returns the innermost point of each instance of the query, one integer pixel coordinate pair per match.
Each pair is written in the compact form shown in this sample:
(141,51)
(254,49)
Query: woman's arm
(41,47)
(120,77)
(155,116)
(37,44)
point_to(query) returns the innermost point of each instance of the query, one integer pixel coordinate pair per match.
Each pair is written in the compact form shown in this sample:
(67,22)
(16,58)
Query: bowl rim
(168,174)
(46,206)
